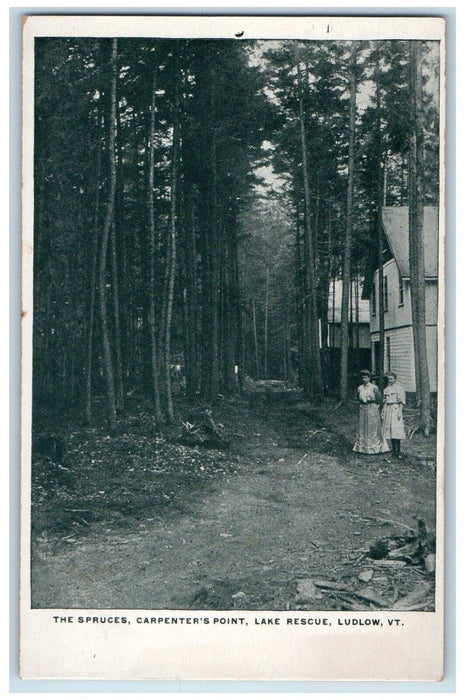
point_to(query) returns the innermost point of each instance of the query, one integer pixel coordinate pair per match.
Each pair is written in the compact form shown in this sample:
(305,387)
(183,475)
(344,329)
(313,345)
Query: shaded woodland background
(193,201)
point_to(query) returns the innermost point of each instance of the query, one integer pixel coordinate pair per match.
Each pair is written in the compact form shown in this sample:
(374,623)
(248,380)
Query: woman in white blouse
(391,415)
(369,439)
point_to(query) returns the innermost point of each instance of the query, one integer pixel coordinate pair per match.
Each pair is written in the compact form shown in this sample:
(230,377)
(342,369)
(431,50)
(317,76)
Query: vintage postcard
(232,443)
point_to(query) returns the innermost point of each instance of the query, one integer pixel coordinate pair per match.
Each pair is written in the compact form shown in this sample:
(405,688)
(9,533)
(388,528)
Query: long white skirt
(370,440)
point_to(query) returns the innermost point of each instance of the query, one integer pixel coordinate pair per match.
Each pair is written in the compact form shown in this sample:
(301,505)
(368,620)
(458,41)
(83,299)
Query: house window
(373,299)
(385,293)
(388,353)
(401,291)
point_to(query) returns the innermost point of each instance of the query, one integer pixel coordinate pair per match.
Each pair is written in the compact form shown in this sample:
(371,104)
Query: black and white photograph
(236,328)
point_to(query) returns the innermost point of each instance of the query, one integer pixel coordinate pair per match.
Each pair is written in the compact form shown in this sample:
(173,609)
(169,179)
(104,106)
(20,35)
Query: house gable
(396,227)
(396,245)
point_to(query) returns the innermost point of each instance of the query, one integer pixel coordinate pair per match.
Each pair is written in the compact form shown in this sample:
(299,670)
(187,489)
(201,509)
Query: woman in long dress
(391,414)
(369,439)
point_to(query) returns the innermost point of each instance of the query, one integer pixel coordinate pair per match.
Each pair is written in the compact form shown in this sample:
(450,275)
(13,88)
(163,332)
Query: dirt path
(300,505)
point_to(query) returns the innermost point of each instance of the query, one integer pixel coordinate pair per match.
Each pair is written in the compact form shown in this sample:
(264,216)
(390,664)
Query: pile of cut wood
(372,583)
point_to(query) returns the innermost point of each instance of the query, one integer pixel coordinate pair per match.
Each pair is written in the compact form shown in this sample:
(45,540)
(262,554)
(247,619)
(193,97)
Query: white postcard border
(52,649)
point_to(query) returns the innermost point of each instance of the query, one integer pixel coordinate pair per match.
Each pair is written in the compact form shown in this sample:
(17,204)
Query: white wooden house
(398,337)
(359,334)
(359,315)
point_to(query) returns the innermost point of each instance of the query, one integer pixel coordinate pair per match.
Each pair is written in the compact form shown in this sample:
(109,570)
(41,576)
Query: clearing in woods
(283,518)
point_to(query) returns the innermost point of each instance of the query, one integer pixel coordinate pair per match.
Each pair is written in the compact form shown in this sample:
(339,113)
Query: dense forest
(195,198)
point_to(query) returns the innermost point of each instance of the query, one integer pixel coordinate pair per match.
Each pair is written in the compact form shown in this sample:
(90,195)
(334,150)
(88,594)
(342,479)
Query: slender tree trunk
(116,312)
(161,339)
(64,367)
(205,305)
(172,269)
(254,318)
(190,301)
(152,254)
(379,226)
(267,287)
(93,282)
(351,314)
(324,291)
(348,230)
(162,325)
(216,245)
(238,308)
(307,326)
(245,351)
(289,376)
(224,327)
(107,359)
(334,312)
(380,294)
(385,177)
(64,343)
(324,294)
(416,241)
(285,354)
(402,181)
(315,385)
(299,294)
(357,312)
(121,236)
(211,241)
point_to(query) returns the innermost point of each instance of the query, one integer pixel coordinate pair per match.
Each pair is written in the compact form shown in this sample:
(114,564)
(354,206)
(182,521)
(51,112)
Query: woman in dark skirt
(370,440)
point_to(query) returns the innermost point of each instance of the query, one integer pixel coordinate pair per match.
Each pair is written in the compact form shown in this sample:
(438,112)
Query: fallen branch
(388,563)
(77,510)
(385,521)
(371,596)
(415,597)
(356,605)
(330,585)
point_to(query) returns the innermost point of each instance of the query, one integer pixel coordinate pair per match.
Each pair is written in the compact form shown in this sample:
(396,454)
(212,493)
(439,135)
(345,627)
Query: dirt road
(297,506)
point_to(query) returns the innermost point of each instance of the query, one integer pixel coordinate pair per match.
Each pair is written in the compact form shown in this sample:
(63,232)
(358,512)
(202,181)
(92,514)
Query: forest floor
(286,517)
